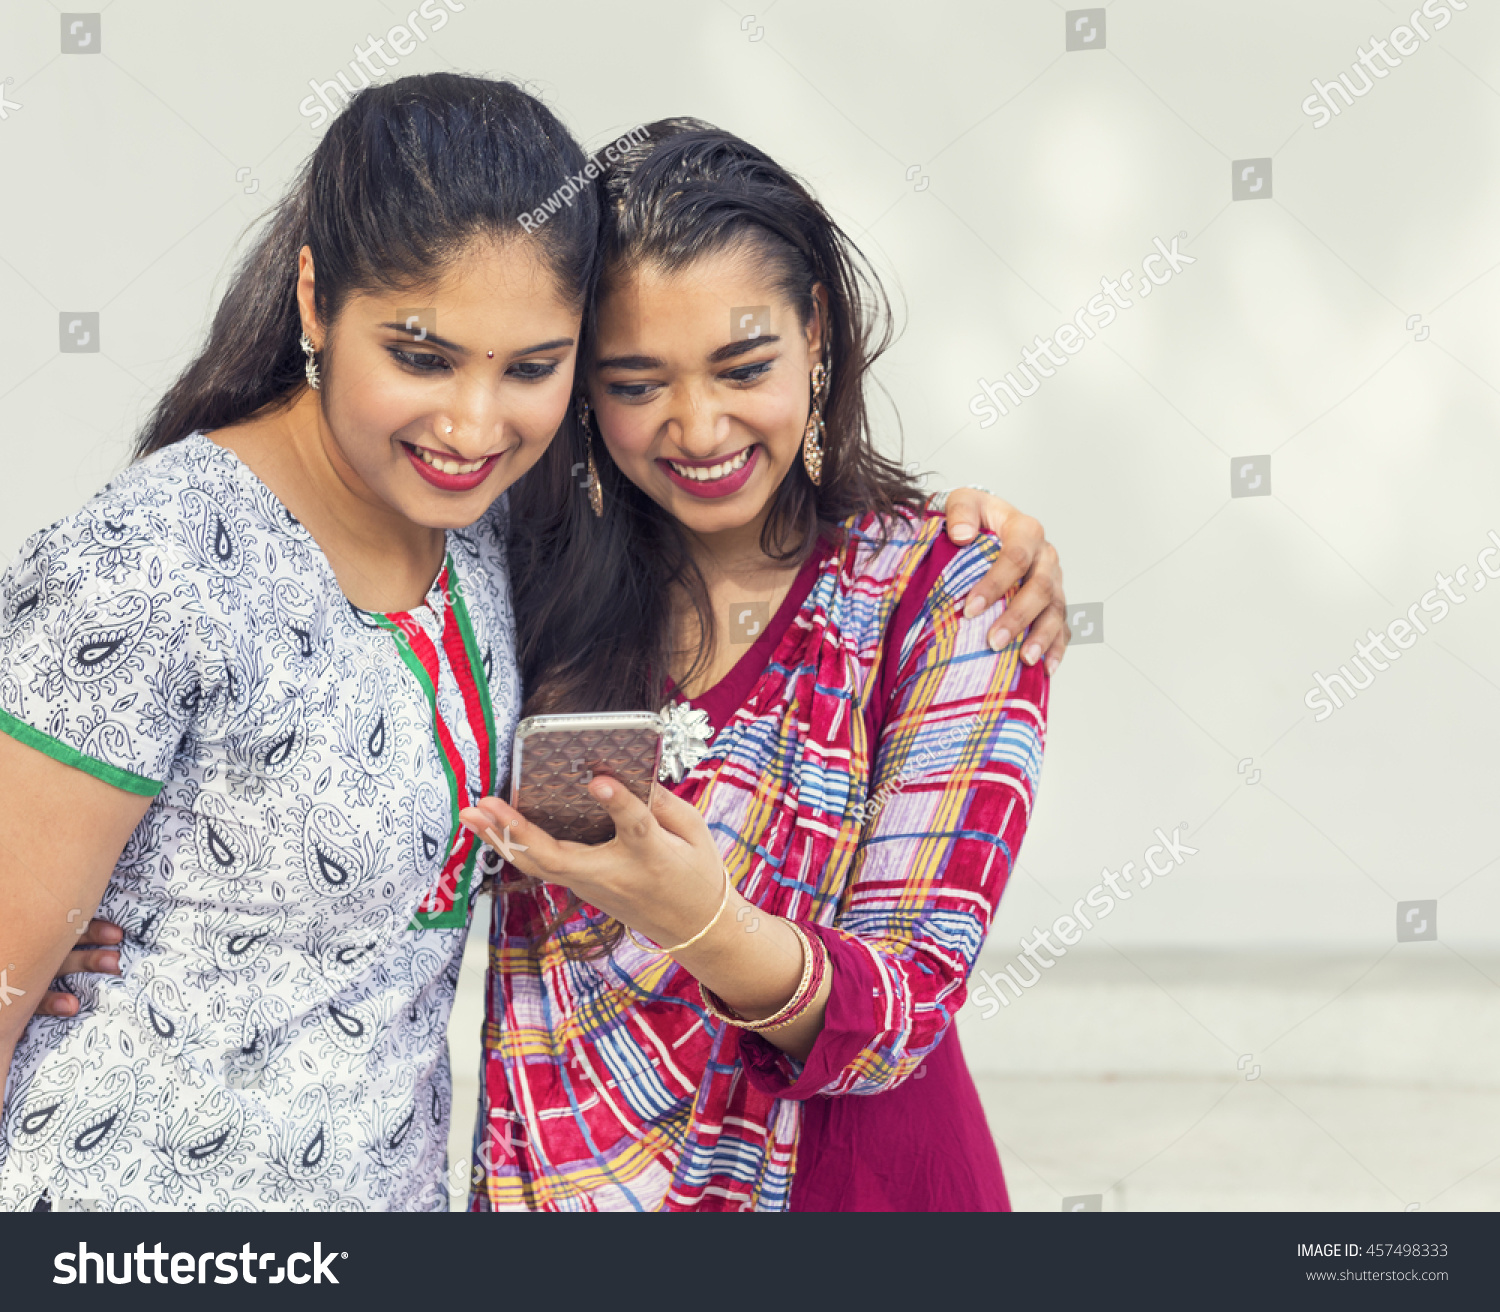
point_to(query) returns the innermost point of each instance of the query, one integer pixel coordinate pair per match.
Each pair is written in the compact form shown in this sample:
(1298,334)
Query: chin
(733,513)
(467,518)
(437,511)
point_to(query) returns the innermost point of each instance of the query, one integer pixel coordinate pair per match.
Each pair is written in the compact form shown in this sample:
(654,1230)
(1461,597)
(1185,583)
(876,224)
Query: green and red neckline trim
(446,905)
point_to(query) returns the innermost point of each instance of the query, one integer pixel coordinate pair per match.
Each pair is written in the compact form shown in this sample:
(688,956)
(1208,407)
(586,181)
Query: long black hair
(403,180)
(595,597)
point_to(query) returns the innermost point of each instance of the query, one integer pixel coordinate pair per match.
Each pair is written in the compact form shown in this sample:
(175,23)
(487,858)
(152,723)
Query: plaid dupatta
(605,1084)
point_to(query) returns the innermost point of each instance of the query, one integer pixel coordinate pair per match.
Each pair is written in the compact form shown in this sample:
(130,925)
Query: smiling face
(435,421)
(705,421)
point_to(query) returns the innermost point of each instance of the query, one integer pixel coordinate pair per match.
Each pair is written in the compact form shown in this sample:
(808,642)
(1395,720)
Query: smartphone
(556,756)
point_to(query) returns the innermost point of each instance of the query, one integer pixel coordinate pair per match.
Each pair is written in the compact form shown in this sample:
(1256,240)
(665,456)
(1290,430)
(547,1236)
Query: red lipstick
(713,489)
(450,482)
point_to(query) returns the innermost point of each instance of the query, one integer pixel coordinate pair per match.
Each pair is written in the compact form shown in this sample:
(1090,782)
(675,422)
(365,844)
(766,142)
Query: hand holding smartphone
(556,756)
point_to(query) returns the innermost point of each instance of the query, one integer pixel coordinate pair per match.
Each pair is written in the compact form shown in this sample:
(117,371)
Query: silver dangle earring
(595,487)
(310,368)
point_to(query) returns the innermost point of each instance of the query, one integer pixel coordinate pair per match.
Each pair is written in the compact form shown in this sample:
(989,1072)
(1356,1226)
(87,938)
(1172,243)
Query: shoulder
(157,529)
(907,562)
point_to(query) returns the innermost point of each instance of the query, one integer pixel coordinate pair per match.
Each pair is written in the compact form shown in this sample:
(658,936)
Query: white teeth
(450,466)
(711,473)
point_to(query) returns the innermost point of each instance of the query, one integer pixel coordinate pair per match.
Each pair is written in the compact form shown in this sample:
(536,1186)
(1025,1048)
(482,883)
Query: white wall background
(1038,171)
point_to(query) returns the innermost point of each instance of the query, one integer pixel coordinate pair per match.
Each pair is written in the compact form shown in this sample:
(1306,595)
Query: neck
(735,569)
(363,523)
(383,561)
(732,554)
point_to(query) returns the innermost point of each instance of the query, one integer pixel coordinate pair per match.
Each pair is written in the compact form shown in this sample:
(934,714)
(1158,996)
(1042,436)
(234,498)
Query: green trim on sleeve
(110,774)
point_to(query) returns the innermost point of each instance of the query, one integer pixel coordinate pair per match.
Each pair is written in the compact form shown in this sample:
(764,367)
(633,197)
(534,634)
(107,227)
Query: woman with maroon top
(745,999)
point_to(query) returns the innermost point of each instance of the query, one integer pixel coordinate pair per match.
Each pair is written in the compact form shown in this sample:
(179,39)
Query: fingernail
(604,791)
(962,532)
(975,605)
(1000,640)
(1032,653)
(1052,663)
(109,963)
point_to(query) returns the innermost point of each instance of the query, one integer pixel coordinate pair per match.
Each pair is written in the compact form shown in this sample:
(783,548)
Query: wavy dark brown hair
(595,596)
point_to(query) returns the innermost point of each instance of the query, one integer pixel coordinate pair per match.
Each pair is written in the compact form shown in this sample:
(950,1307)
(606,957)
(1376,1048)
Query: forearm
(754,962)
(7,1052)
(61,833)
(885,1012)
(27,967)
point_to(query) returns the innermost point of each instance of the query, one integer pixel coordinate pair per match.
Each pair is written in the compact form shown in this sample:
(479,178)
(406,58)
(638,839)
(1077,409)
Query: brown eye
(748,373)
(532,371)
(422,362)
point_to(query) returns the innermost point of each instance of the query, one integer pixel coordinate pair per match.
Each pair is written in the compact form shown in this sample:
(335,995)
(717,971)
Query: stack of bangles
(814,967)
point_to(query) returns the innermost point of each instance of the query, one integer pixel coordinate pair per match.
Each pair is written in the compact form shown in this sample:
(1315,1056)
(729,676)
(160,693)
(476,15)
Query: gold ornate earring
(595,488)
(814,433)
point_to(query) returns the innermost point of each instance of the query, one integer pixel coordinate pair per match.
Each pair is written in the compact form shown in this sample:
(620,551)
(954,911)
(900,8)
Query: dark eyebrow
(411,334)
(738,348)
(630,362)
(729,351)
(555,344)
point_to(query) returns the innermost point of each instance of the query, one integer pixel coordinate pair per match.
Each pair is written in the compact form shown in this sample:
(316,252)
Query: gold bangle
(795,1005)
(651,947)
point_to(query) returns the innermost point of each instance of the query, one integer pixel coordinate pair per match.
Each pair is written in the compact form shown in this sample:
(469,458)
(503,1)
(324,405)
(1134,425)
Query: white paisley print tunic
(296,897)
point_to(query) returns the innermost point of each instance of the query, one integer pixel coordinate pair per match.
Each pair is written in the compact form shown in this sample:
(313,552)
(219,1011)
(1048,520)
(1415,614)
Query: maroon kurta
(871,775)
(923,1146)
